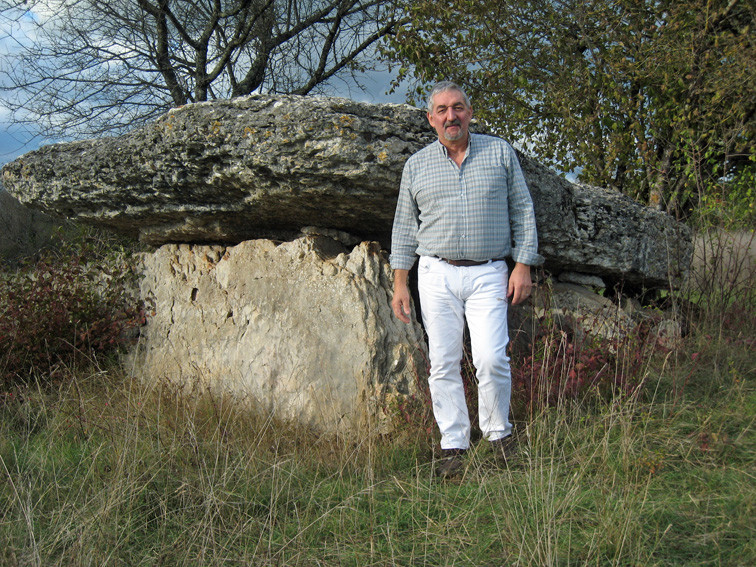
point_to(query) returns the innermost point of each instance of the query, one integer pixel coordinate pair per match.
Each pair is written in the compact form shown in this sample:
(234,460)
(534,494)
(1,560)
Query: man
(463,208)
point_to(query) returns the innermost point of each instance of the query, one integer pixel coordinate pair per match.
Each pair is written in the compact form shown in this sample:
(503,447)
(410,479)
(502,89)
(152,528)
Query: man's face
(450,116)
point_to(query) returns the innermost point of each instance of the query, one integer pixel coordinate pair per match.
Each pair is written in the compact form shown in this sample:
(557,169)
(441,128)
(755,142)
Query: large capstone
(265,166)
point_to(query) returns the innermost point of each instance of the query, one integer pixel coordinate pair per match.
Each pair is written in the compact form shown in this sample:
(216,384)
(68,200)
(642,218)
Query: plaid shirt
(473,212)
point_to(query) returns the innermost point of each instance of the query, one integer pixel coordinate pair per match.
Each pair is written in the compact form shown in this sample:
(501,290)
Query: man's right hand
(401,300)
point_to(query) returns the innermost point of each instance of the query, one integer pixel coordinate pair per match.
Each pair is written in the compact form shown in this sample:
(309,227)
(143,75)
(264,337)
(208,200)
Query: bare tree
(85,67)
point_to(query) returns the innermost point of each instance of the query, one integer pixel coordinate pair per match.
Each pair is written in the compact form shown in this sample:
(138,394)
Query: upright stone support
(303,328)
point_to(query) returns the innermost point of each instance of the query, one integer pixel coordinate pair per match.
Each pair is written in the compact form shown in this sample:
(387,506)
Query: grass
(97,469)
(105,471)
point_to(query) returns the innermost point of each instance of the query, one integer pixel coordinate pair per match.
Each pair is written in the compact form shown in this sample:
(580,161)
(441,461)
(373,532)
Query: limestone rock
(601,232)
(304,327)
(587,311)
(261,166)
(575,309)
(582,279)
(669,333)
(227,171)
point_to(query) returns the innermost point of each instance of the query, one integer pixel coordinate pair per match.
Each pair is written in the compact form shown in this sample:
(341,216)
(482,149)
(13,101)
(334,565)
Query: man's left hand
(520,284)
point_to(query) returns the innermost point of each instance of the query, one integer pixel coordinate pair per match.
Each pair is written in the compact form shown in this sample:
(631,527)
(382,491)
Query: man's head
(449,112)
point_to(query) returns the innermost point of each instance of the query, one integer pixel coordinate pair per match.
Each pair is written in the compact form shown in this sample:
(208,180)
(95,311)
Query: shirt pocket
(488,195)
(436,194)
(489,184)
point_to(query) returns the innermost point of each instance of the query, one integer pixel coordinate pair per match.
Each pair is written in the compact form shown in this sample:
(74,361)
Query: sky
(14,139)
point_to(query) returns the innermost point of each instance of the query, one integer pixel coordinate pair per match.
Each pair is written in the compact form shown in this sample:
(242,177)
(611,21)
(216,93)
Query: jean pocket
(424,265)
(499,265)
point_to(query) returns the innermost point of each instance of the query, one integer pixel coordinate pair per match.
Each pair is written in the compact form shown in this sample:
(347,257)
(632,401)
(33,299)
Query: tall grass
(106,471)
(101,470)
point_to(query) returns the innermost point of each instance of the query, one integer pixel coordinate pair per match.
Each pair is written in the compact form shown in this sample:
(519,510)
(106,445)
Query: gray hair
(444,86)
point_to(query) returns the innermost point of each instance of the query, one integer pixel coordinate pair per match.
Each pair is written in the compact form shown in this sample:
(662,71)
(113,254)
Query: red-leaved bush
(562,366)
(64,310)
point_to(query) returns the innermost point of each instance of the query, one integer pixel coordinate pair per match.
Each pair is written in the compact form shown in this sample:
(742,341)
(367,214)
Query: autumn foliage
(64,310)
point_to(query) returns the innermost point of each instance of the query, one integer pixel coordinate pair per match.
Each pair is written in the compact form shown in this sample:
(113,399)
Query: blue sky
(15,141)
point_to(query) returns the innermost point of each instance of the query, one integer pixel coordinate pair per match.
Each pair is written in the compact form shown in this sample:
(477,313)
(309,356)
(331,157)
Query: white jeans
(448,295)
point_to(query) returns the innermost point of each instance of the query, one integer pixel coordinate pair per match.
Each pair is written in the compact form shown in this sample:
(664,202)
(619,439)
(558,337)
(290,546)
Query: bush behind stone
(66,309)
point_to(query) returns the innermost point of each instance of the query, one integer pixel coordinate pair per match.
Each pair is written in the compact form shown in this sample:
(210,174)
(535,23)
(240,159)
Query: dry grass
(105,471)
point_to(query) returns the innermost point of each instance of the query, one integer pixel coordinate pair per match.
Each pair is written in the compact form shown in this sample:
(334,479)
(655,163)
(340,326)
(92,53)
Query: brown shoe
(451,464)
(505,450)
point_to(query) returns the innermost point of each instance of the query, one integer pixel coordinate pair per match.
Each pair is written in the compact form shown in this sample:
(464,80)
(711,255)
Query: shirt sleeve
(406,224)
(521,216)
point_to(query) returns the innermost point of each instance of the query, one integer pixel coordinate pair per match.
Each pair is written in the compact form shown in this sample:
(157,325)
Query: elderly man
(464,208)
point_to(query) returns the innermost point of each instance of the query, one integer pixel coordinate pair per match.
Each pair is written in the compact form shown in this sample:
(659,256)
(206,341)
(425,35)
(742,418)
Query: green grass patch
(110,472)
